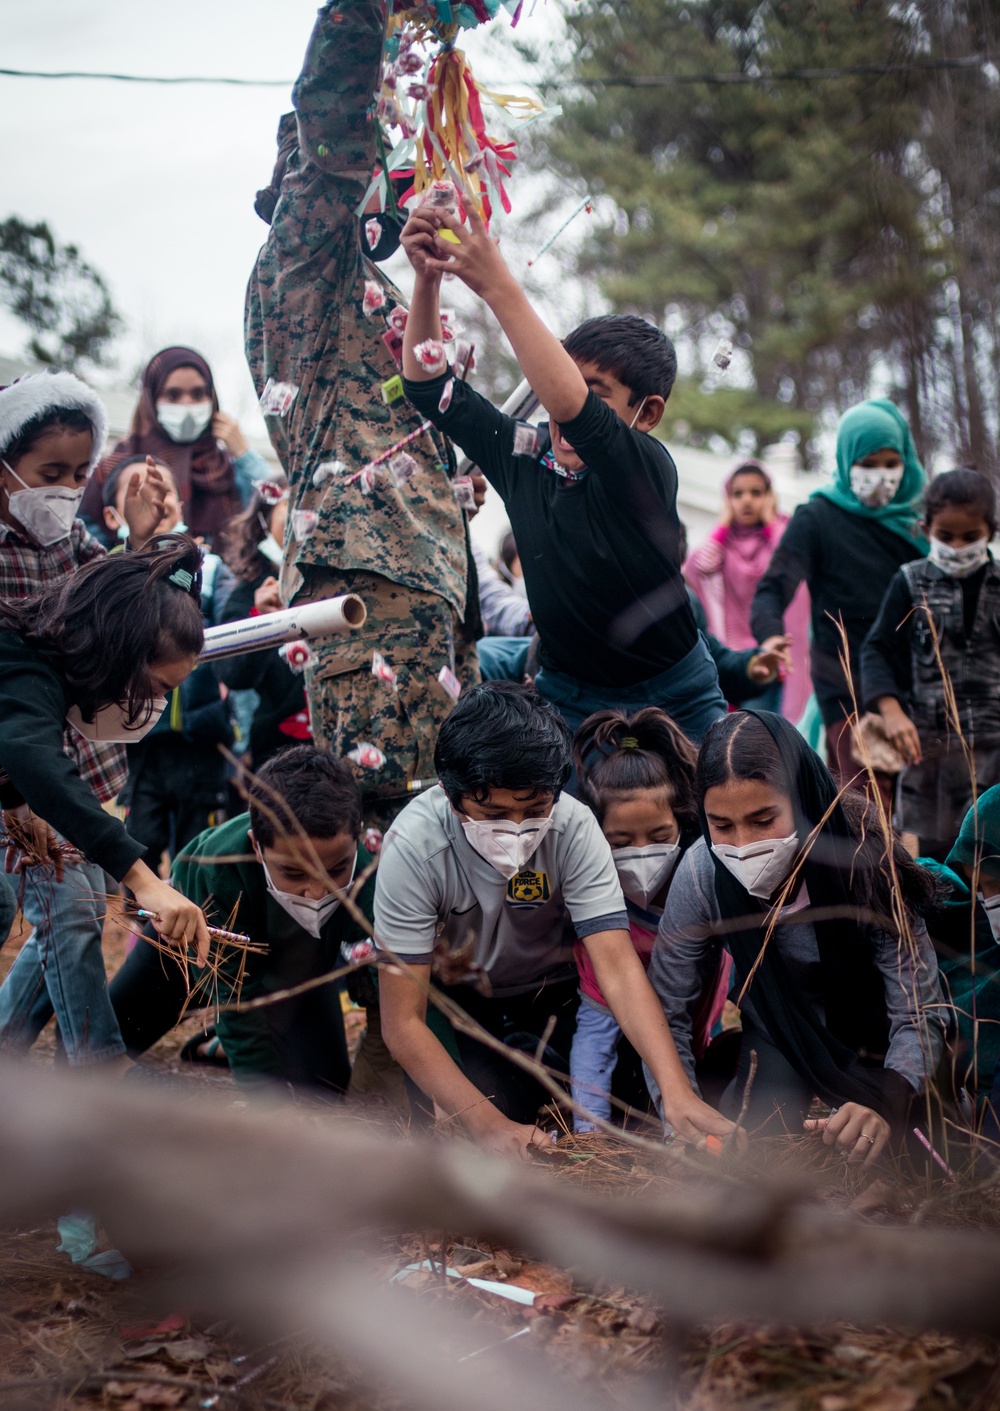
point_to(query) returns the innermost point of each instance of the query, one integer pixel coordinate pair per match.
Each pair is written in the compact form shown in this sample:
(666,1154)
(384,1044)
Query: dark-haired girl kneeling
(834,973)
(101,650)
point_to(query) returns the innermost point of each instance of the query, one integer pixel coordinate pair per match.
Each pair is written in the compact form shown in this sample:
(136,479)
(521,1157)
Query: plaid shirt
(25,569)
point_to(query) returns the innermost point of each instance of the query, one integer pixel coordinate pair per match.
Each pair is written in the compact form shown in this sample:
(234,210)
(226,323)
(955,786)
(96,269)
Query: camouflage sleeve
(334,91)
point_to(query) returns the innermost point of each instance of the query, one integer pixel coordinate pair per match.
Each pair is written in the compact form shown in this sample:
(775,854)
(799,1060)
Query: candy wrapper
(450,682)
(303,524)
(431,356)
(723,355)
(447,391)
(367,479)
(465,492)
(442,197)
(298,655)
(325,473)
(367,755)
(402,468)
(383,671)
(373,232)
(358,951)
(464,355)
(525,439)
(371,840)
(374,298)
(277,398)
(397,317)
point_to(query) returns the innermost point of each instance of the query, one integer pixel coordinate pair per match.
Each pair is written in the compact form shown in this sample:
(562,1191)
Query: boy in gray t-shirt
(490,879)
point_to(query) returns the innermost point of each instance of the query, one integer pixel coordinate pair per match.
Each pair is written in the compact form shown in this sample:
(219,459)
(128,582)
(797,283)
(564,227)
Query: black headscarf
(828,1057)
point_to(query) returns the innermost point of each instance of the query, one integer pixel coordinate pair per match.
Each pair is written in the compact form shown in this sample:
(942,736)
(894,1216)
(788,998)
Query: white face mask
(184,421)
(875,487)
(959,563)
(643,872)
(47,512)
(271,550)
(991,907)
(312,916)
(504,845)
(108,725)
(760,867)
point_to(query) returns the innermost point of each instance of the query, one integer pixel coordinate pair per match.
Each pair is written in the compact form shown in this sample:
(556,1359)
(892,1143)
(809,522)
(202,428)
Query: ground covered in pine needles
(71,1339)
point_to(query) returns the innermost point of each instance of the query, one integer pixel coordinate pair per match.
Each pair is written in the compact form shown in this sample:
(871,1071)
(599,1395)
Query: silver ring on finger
(871,1140)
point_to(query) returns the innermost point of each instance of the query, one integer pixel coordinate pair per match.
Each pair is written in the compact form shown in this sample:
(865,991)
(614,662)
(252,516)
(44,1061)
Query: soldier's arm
(333,92)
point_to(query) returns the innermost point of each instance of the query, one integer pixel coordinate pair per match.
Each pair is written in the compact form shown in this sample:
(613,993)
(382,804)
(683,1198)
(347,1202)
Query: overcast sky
(156,184)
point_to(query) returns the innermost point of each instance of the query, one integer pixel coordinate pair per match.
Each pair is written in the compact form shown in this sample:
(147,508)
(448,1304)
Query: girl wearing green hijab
(847,543)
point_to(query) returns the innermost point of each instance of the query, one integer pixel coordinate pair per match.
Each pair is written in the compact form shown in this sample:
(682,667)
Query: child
(941,616)
(52,428)
(491,878)
(592,500)
(280,870)
(965,928)
(101,650)
(310,325)
(846,544)
(636,773)
(726,568)
(820,1000)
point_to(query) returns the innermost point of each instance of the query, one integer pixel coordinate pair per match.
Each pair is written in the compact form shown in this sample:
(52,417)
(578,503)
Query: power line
(969,61)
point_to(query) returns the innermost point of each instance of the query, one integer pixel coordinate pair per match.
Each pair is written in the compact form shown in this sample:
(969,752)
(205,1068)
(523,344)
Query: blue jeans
(689,693)
(60,969)
(8,906)
(592,1062)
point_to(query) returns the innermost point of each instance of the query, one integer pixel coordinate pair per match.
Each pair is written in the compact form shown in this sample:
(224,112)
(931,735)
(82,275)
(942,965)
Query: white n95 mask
(760,867)
(184,421)
(643,872)
(311,915)
(271,550)
(959,563)
(47,512)
(504,845)
(108,725)
(875,487)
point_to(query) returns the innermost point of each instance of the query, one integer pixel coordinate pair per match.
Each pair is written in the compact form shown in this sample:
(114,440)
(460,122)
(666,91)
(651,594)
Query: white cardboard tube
(324,618)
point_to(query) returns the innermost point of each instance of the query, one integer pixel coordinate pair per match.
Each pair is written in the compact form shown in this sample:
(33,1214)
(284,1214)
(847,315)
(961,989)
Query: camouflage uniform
(404,550)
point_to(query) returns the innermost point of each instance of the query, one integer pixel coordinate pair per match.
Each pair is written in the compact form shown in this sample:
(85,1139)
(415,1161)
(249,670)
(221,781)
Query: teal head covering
(875,426)
(979,837)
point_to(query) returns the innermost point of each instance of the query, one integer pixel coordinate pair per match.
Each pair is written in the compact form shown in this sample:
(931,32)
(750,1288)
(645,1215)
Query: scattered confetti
(450,682)
(369,756)
(277,397)
(383,671)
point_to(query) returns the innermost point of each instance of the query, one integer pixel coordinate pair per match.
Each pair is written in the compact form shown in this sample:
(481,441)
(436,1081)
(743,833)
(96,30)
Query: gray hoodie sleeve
(914,1002)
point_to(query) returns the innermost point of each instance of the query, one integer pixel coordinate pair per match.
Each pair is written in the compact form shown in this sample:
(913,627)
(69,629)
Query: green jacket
(220,866)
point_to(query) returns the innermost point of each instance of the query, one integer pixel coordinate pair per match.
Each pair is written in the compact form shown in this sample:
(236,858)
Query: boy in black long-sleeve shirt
(591,500)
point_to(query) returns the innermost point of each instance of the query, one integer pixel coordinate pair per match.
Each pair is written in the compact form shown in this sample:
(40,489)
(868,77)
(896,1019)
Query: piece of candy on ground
(369,756)
(450,682)
(383,671)
(277,397)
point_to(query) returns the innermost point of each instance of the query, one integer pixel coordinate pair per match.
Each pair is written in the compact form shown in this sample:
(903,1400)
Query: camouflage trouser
(417,633)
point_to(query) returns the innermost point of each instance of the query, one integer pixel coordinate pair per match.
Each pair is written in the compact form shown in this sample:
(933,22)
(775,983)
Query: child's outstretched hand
(773,660)
(473,255)
(145,498)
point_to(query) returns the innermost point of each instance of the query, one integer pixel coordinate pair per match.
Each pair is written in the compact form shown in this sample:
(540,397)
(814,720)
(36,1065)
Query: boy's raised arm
(478,263)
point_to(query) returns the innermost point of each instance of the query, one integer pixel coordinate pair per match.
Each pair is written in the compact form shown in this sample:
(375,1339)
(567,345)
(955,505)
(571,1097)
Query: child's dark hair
(635,351)
(245,531)
(740,746)
(303,788)
(55,419)
(109,490)
(961,489)
(502,735)
(617,755)
(104,626)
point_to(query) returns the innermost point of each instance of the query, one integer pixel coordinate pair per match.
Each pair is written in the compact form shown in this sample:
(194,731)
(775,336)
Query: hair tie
(629,742)
(182,579)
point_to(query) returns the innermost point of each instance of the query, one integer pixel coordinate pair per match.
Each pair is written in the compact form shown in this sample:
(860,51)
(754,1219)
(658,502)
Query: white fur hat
(32,396)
